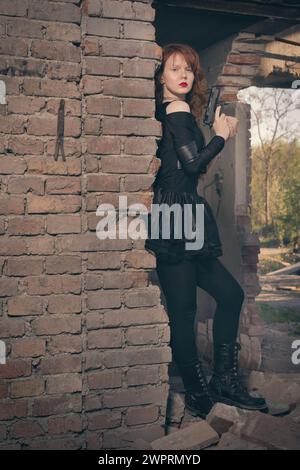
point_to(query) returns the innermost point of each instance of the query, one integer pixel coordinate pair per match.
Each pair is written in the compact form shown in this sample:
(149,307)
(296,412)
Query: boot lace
(236,382)
(201,377)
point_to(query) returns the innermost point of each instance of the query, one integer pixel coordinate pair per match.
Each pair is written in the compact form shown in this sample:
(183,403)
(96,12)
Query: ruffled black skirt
(173,250)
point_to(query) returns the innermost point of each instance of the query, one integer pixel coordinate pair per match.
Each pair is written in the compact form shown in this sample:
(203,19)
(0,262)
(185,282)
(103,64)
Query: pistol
(209,115)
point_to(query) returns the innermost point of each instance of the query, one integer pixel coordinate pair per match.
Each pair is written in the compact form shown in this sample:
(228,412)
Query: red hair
(196,97)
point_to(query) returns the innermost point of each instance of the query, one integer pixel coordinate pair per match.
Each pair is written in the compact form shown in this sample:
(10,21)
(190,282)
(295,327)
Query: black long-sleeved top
(184,157)
(182,150)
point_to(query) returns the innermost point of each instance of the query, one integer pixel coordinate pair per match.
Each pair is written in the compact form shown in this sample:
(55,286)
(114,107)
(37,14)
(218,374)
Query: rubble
(275,388)
(196,436)
(231,428)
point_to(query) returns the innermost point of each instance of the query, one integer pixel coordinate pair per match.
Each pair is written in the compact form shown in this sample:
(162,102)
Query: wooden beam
(238,7)
(272,55)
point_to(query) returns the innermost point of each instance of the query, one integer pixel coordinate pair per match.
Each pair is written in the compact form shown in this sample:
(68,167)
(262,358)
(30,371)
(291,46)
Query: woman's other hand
(232,123)
(221,125)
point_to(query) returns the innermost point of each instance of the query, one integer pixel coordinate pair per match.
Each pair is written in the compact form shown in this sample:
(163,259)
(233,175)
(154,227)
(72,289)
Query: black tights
(179,284)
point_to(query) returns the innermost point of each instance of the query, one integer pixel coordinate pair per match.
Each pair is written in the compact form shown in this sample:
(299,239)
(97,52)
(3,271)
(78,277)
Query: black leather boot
(225,384)
(198,399)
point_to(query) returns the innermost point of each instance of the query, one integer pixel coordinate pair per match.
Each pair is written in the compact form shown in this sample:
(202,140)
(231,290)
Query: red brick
(104,261)
(105,299)
(142,415)
(136,11)
(109,338)
(13,409)
(13,8)
(22,145)
(61,70)
(103,105)
(53,204)
(53,284)
(103,27)
(114,164)
(63,224)
(65,343)
(72,148)
(8,287)
(12,205)
(244,59)
(13,46)
(39,10)
(72,107)
(11,328)
(105,379)
(15,368)
(56,325)
(91,126)
(40,245)
(103,183)
(65,424)
(102,66)
(55,50)
(44,125)
(91,85)
(28,66)
(28,347)
(63,264)
(12,165)
(26,428)
(63,185)
(24,184)
(3,391)
(55,405)
(104,419)
(60,364)
(27,388)
(46,87)
(139,30)
(11,246)
(27,225)
(24,305)
(149,296)
(66,383)
(24,104)
(24,266)
(104,145)
(91,46)
(63,32)
(64,304)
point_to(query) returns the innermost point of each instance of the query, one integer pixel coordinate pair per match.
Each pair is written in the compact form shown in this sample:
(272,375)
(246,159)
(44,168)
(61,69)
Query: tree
(270,112)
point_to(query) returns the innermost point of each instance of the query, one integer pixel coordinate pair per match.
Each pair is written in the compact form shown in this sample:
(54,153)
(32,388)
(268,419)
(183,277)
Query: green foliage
(277,315)
(284,192)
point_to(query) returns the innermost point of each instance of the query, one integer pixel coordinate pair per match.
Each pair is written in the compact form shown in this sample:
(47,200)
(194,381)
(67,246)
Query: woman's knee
(237,295)
(232,297)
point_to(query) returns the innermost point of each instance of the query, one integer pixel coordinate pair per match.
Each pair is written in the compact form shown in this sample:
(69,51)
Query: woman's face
(177,72)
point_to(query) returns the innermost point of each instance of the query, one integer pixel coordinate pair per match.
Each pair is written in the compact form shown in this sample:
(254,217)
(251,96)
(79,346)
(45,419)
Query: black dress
(174,184)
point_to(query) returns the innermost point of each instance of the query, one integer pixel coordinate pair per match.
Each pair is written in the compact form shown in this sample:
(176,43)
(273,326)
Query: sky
(291,122)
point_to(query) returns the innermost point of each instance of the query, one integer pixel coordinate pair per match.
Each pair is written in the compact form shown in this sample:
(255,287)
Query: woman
(184,156)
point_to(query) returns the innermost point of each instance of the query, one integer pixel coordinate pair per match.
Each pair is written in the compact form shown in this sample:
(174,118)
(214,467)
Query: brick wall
(86,335)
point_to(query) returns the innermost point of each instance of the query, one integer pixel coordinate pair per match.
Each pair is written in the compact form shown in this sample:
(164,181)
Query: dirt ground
(279,299)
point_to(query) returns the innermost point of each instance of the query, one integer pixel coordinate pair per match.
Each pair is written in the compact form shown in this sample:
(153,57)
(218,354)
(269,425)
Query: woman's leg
(178,282)
(225,384)
(214,278)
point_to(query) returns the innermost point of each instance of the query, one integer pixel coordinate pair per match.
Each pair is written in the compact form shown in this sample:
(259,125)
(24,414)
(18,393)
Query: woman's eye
(189,70)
